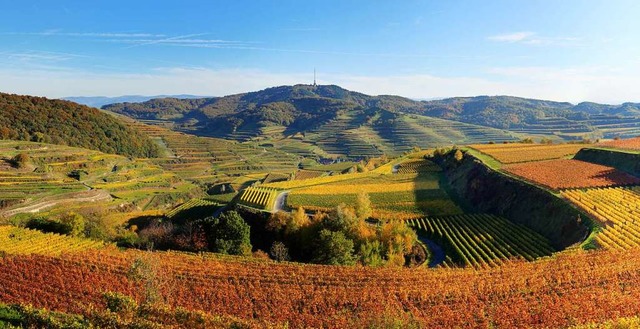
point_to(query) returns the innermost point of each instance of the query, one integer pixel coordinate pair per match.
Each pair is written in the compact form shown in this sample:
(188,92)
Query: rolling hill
(324,119)
(99,101)
(60,122)
(540,117)
(333,120)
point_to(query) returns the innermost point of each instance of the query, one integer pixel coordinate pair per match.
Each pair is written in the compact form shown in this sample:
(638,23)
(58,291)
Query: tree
(371,253)
(363,206)
(279,252)
(75,223)
(231,235)
(297,220)
(334,248)
(397,238)
(458,155)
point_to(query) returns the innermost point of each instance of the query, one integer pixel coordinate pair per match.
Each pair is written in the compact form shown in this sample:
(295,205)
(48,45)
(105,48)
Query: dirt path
(47,202)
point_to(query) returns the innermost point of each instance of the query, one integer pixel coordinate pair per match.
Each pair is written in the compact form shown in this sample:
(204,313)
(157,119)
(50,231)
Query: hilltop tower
(314,77)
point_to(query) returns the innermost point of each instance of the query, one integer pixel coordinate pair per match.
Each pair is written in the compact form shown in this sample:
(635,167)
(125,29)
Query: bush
(279,252)
(120,303)
(74,223)
(21,160)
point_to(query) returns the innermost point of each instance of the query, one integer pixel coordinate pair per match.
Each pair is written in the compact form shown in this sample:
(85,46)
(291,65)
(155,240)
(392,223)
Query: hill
(99,101)
(61,122)
(539,117)
(326,120)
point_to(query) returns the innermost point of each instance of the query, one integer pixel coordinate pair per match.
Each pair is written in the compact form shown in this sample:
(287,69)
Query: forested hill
(508,112)
(298,108)
(67,123)
(302,107)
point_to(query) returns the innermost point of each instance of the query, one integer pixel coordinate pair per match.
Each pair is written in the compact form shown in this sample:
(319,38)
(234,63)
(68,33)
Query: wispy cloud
(40,56)
(59,33)
(532,38)
(511,37)
(302,29)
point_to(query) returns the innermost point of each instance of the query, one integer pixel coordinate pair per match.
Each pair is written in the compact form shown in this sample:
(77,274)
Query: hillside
(334,120)
(99,101)
(60,122)
(312,119)
(540,117)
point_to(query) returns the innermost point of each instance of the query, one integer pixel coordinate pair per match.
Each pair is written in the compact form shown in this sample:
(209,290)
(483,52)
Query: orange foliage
(563,173)
(573,288)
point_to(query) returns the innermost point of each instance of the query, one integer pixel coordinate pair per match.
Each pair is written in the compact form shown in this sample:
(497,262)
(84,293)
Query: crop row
(14,240)
(617,208)
(416,166)
(193,203)
(514,152)
(259,197)
(481,240)
(569,289)
(569,173)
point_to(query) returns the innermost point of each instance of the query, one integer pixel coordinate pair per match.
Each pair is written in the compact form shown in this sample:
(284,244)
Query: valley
(489,203)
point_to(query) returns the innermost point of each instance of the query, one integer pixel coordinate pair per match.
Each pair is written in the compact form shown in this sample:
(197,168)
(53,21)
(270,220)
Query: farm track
(85,196)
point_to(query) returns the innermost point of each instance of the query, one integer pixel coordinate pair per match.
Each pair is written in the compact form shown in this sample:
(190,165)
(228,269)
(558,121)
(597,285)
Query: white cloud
(600,84)
(532,38)
(511,37)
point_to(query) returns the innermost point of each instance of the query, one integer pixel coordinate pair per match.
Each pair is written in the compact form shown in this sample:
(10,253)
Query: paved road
(280,203)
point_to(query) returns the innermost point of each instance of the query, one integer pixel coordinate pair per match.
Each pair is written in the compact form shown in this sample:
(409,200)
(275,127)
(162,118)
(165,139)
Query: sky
(565,50)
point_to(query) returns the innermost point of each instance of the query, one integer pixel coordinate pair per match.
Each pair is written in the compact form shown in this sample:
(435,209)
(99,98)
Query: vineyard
(189,205)
(565,290)
(569,173)
(401,196)
(517,152)
(308,174)
(14,240)
(259,197)
(205,159)
(626,144)
(415,166)
(484,240)
(617,208)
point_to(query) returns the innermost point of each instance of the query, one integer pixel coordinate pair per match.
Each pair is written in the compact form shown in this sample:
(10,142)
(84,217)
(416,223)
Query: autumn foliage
(569,289)
(565,173)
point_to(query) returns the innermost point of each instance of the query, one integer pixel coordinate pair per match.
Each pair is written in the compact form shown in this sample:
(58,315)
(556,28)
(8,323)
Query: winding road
(47,202)
(280,203)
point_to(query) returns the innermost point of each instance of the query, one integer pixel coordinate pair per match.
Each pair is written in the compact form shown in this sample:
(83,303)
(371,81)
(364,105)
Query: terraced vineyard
(214,160)
(518,152)
(625,144)
(617,208)
(480,240)
(259,197)
(14,240)
(569,173)
(308,174)
(415,166)
(193,203)
(399,196)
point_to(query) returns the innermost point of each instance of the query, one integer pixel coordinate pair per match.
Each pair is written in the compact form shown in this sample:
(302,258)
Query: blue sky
(561,50)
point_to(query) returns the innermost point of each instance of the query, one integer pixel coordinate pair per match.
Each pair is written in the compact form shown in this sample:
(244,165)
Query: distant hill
(540,117)
(346,122)
(100,101)
(331,118)
(67,123)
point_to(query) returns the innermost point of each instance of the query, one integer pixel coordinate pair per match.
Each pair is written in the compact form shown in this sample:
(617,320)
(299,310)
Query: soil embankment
(488,191)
